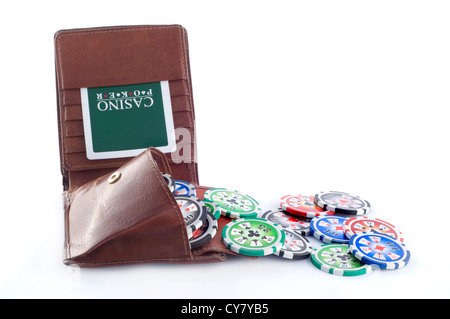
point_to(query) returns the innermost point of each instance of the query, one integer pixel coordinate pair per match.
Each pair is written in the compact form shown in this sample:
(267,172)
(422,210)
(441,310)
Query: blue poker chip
(184,188)
(329,229)
(379,249)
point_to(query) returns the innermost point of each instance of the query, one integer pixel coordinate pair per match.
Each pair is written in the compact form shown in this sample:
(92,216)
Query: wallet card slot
(76,144)
(79,162)
(178,89)
(183,120)
(74,127)
(73,112)
(182,162)
(75,150)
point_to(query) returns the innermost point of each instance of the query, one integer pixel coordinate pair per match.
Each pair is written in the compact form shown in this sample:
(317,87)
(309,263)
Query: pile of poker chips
(250,235)
(354,244)
(200,216)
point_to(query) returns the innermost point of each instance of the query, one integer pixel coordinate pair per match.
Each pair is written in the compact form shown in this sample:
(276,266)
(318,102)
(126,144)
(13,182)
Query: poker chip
(295,246)
(297,224)
(329,229)
(184,188)
(204,234)
(301,205)
(336,259)
(170,181)
(212,208)
(363,225)
(253,236)
(233,204)
(194,212)
(342,203)
(381,250)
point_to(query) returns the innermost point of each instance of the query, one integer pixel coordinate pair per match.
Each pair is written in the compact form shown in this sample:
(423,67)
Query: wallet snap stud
(114,177)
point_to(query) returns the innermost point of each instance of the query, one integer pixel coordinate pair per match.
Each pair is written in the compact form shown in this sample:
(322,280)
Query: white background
(290,97)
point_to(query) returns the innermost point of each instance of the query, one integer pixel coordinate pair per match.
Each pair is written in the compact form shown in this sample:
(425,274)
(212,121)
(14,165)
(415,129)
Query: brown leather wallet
(120,211)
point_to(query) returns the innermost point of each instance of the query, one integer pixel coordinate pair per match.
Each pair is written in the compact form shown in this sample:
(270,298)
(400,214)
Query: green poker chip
(253,236)
(234,204)
(336,259)
(212,207)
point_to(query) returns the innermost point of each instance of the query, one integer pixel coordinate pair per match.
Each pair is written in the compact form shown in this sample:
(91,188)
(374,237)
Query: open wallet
(119,210)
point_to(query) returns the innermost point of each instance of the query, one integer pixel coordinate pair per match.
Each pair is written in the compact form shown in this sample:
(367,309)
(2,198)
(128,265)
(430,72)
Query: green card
(123,121)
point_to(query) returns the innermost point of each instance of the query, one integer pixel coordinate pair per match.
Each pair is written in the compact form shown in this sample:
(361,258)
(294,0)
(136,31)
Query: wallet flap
(127,216)
(130,217)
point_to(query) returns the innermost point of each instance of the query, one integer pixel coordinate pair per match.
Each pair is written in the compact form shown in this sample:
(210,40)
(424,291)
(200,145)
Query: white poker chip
(194,212)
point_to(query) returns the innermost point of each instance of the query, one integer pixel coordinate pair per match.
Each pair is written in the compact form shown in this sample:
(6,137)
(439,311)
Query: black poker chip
(205,233)
(295,247)
(342,203)
(194,212)
(297,224)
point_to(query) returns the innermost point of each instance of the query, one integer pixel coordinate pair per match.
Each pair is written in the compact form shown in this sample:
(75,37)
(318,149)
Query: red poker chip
(302,205)
(364,225)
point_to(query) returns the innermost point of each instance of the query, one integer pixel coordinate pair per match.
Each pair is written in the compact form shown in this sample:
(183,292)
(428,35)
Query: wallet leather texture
(135,218)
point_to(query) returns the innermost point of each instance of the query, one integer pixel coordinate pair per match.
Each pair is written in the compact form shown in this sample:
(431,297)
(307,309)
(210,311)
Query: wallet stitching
(112,29)
(163,183)
(191,170)
(208,249)
(164,161)
(147,260)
